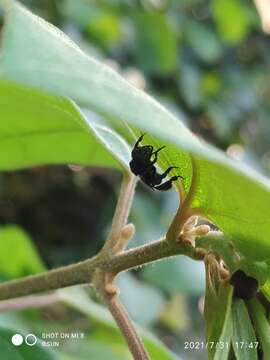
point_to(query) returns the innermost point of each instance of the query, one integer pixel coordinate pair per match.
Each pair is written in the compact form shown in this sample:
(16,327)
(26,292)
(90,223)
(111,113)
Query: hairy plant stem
(122,210)
(105,281)
(107,289)
(128,330)
(82,272)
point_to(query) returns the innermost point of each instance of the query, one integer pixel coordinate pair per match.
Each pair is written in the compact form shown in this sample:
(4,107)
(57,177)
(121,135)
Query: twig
(122,210)
(82,272)
(102,269)
(128,330)
(104,281)
(79,273)
(106,286)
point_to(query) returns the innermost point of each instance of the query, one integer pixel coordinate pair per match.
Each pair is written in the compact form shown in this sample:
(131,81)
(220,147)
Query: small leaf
(217,311)
(261,324)
(243,332)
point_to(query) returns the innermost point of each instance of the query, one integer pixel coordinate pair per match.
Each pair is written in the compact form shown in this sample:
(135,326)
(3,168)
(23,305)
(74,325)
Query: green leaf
(156,44)
(261,324)
(25,259)
(231,195)
(44,129)
(77,298)
(243,332)
(23,351)
(217,312)
(232,19)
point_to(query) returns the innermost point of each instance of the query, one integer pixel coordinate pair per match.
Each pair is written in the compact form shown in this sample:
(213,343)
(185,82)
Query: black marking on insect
(245,287)
(143,165)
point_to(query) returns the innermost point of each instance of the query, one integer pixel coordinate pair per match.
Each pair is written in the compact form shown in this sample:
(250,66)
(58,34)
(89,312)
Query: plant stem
(82,272)
(78,273)
(127,328)
(122,210)
(109,292)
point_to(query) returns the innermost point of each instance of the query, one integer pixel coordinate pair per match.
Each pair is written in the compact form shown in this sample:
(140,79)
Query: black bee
(245,287)
(142,164)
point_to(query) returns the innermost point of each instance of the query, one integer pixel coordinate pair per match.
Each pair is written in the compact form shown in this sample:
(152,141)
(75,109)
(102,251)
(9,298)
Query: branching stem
(102,269)
(82,272)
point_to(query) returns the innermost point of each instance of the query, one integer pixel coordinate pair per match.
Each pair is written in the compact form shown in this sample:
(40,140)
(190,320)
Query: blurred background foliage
(205,60)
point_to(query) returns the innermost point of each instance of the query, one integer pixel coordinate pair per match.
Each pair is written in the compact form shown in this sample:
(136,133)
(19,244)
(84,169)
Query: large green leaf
(232,196)
(37,129)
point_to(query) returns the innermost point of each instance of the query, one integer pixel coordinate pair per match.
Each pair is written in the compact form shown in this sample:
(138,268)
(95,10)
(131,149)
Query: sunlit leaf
(44,129)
